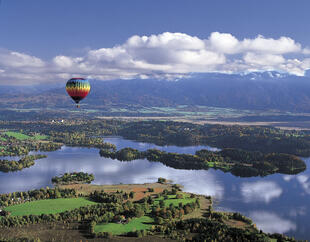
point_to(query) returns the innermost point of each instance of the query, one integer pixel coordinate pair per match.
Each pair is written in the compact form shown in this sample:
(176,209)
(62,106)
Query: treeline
(238,162)
(73,178)
(24,162)
(19,147)
(96,128)
(81,139)
(251,138)
(37,194)
(103,197)
(201,229)
(11,146)
(76,215)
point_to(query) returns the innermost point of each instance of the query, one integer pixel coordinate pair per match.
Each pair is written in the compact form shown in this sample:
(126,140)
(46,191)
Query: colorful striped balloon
(78,88)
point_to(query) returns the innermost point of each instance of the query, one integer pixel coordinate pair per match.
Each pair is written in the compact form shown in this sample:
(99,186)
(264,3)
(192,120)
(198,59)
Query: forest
(24,162)
(238,162)
(73,178)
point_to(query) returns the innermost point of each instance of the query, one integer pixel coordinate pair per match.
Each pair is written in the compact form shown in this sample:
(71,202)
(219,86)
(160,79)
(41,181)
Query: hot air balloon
(77,88)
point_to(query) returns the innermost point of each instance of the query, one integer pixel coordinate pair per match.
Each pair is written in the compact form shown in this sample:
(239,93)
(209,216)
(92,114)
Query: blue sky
(72,28)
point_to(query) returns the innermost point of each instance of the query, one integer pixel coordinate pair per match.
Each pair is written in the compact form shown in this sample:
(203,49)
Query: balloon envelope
(77,88)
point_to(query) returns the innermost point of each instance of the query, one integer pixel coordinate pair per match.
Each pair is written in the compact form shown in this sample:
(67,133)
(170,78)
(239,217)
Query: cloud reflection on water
(272,223)
(107,171)
(302,179)
(304,182)
(260,191)
(249,196)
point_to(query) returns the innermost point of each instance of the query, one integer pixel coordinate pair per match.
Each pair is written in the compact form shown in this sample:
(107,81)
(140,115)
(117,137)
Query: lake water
(276,203)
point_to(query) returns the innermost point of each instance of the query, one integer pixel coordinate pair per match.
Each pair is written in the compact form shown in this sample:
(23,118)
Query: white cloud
(261,44)
(16,59)
(261,191)
(263,60)
(271,223)
(224,43)
(166,55)
(306,51)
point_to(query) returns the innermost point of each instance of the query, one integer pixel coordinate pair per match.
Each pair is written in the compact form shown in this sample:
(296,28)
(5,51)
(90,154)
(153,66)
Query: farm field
(140,190)
(49,206)
(21,136)
(144,222)
(17,135)
(40,137)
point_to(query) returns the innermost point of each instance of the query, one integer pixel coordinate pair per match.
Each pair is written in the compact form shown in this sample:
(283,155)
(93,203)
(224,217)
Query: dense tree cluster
(37,194)
(252,138)
(126,154)
(73,178)
(103,197)
(239,162)
(210,230)
(81,139)
(24,162)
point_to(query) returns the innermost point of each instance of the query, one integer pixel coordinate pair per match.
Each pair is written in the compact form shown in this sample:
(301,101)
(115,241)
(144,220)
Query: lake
(276,203)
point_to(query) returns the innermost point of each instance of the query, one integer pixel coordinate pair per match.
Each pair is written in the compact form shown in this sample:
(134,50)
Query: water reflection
(106,171)
(272,223)
(122,143)
(276,203)
(260,191)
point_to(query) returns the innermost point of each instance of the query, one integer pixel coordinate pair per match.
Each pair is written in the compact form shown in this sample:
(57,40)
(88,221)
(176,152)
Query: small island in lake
(73,178)
(239,162)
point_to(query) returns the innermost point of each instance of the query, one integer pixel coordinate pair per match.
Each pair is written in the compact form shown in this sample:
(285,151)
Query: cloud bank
(165,56)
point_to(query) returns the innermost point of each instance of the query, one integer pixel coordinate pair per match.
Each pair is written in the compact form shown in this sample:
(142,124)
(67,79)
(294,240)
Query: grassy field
(21,136)
(40,137)
(49,206)
(173,200)
(143,222)
(17,135)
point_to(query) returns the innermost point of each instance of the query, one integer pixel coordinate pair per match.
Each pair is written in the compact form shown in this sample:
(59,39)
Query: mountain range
(257,90)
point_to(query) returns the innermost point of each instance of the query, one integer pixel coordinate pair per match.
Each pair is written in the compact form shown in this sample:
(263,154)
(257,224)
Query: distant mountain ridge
(258,90)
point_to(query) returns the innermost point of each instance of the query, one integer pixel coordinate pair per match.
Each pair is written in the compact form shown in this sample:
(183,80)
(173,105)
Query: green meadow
(40,137)
(22,136)
(144,222)
(175,201)
(17,135)
(48,206)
